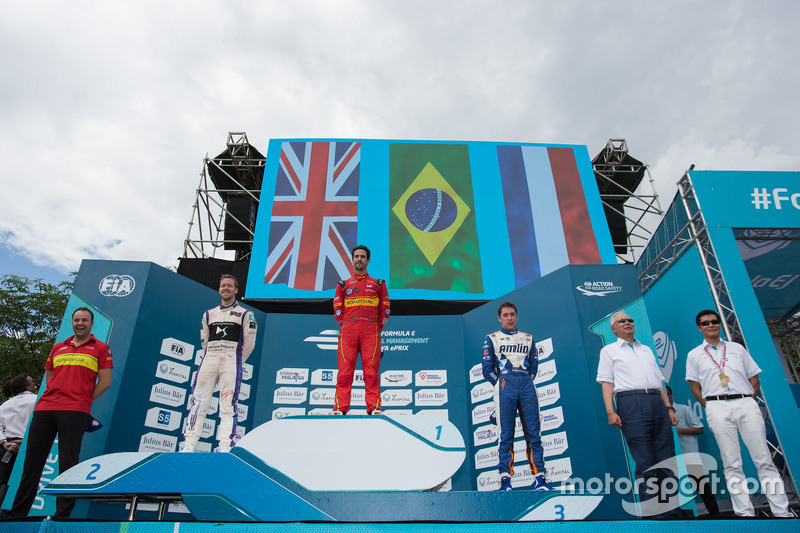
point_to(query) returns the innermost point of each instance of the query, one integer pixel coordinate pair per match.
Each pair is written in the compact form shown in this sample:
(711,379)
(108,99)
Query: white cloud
(109,108)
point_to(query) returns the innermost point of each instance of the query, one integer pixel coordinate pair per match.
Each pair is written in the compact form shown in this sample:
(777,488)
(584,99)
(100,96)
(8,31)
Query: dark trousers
(45,425)
(648,432)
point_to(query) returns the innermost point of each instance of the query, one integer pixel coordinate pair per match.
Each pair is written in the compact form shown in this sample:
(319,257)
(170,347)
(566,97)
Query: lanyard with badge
(723,378)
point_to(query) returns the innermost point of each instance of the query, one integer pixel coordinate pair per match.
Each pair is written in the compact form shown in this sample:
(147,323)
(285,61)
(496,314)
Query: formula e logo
(117,285)
(328,339)
(665,352)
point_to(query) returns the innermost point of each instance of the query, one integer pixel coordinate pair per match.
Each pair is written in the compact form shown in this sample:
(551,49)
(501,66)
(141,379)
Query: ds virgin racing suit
(510,364)
(227,335)
(361,307)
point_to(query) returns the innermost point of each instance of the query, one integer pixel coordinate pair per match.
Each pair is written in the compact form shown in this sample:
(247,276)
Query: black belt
(726,397)
(638,391)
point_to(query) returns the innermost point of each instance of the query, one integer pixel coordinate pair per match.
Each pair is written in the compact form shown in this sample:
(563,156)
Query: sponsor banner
(324,376)
(202,446)
(292,395)
(396,412)
(161,418)
(441,413)
(558,469)
(179,350)
(476,373)
(488,481)
(208,428)
(434,397)
(241,413)
(546,372)
(240,431)
(399,341)
(167,394)
(156,442)
(358,378)
(198,357)
(598,288)
(358,398)
(396,398)
(430,378)
(550,419)
(396,378)
(322,396)
(244,391)
(213,405)
(318,411)
(172,371)
(482,412)
(291,376)
(544,349)
(482,391)
(555,444)
(486,458)
(523,477)
(548,394)
(485,435)
(247,371)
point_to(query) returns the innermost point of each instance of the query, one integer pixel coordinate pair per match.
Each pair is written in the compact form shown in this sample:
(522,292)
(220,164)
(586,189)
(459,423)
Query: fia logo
(117,285)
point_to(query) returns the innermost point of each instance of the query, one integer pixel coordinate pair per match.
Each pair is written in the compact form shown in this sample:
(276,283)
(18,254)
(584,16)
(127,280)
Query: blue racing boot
(505,484)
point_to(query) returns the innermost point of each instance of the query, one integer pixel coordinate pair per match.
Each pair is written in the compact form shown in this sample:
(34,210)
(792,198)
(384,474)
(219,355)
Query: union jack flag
(314,215)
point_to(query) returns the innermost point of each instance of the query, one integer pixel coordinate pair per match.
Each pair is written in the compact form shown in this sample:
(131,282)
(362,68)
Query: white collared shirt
(739,368)
(14,415)
(629,366)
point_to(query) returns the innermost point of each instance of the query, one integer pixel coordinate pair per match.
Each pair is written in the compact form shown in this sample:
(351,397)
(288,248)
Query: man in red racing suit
(361,307)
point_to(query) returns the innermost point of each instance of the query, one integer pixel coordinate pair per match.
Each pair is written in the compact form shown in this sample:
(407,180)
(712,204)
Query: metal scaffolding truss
(626,201)
(226,203)
(684,226)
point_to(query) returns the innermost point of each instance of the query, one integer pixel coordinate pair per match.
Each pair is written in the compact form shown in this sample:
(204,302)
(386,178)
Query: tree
(30,315)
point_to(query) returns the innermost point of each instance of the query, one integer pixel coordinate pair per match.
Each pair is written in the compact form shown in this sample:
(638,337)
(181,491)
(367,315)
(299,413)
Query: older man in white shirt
(629,372)
(724,378)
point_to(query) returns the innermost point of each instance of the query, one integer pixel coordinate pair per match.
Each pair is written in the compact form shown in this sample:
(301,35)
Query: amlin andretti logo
(598,288)
(117,285)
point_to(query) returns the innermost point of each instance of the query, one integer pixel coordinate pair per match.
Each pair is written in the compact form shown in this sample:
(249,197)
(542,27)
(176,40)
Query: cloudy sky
(108,108)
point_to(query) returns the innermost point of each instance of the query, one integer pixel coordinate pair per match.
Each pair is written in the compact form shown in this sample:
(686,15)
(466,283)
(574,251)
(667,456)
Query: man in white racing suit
(228,335)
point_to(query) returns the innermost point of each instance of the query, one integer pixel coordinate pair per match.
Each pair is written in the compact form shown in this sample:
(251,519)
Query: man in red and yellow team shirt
(78,371)
(361,307)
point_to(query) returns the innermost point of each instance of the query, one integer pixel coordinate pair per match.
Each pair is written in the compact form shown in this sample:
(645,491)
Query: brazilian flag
(433,239)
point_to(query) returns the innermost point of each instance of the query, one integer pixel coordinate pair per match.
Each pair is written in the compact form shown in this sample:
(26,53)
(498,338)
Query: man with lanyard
(228,336)
(361,308)
(724,378)
(78,371)
(510,364)
(629,372)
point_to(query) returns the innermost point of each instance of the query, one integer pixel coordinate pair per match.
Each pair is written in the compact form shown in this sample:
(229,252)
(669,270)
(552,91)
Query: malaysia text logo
(484,435)
(178,349)
(160,418)
(291,376)
(598,288)
(476,373)
(167,394)
(117,285)
(172,371)
(327,339)
(665,352)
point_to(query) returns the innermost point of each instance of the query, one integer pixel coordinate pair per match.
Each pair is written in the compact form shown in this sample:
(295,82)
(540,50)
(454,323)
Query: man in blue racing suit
(510,364)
